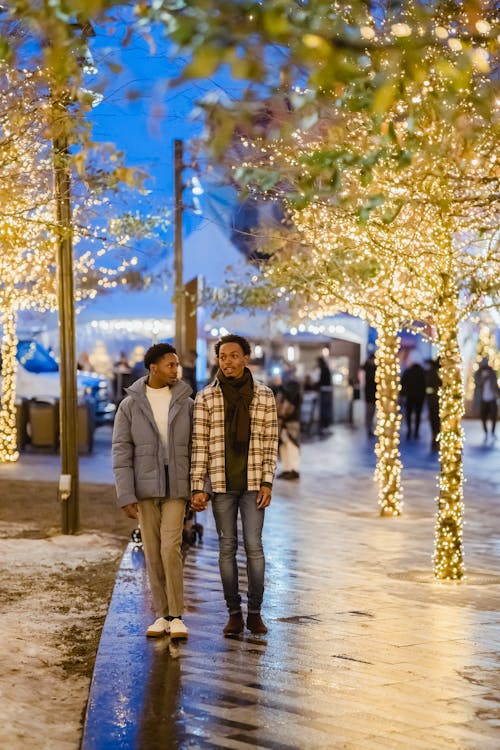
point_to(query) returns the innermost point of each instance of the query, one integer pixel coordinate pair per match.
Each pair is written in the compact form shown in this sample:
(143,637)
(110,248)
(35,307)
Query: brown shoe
(256,624)
(234,624)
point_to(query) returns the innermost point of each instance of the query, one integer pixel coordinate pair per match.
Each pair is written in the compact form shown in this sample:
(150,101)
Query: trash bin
(22,417)
(44,423)
(86,426)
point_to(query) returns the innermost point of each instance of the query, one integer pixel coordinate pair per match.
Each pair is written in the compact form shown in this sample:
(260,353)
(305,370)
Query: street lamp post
(69,483)
(180,304)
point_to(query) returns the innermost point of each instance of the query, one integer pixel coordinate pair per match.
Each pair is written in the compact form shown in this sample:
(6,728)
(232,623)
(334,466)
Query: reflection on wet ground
(364,649)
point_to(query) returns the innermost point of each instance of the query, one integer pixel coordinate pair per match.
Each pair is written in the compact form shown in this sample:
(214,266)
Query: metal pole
(180,315)
(68,414)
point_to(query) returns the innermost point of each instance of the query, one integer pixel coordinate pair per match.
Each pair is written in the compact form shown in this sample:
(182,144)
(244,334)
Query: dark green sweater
(236,462)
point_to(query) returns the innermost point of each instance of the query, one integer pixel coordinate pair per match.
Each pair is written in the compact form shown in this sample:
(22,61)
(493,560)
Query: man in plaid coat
(235,443)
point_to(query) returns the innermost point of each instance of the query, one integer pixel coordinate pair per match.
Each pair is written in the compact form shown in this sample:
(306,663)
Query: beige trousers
(161,521)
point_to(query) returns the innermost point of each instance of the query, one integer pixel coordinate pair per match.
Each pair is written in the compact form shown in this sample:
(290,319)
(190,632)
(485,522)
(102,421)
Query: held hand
(264,497)
(199,501)
(131,510)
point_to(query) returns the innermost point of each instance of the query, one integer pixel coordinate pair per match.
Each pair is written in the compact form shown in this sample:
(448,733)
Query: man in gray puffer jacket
(151,461)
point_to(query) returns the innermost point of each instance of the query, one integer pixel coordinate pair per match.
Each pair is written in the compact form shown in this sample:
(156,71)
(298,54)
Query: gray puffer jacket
(138,460)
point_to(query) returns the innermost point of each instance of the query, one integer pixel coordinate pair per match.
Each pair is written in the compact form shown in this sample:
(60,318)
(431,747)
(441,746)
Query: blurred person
(83,362)
(308,383)
(121,376)
(486,384)
(324,386)
(413,392)
(369,386)
(138,371)
(213,370)
(288,397)
(235,441)
(122,364)
(151,449)
(432,385)
(309,402)
(189,370)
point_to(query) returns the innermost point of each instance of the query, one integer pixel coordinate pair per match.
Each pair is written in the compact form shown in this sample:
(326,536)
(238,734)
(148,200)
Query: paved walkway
(364,651)
(41,466)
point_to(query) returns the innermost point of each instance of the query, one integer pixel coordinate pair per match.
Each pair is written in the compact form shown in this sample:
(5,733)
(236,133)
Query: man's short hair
(233,338)
(156,352)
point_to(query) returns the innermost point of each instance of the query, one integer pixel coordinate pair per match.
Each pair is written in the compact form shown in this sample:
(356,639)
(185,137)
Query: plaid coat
(208,454)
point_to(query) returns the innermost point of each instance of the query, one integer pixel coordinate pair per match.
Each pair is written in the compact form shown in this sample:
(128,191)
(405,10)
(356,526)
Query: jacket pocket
(145,459)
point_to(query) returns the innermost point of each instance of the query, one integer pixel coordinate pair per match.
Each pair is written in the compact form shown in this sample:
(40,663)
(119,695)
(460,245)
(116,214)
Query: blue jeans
(225,507)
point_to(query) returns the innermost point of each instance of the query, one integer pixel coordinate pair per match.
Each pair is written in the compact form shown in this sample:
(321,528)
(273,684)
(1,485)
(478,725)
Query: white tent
(207,252)
(125,319)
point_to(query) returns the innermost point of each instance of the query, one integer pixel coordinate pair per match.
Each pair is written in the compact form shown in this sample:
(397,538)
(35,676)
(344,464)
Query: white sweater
(159,399)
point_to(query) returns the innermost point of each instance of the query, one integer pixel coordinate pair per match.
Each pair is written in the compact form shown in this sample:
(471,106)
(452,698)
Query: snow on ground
(54,597)
(52,553)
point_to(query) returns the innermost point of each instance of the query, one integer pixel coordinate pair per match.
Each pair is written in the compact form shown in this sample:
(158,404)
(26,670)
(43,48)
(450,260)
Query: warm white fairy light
(28,278)
(388,419)
(328,269)
(448,550)
(418,168)
(409,256)
(8,430)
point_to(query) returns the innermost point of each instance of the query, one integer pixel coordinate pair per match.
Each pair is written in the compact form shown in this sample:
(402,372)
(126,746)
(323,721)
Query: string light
(448,549)
(8,428)
(388,416)
(28,272)
(410,230)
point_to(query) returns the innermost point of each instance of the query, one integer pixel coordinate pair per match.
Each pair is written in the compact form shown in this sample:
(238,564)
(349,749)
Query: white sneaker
(159,628)
(178,629)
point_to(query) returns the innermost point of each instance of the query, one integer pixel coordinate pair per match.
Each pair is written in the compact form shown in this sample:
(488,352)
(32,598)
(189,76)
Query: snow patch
(64,551)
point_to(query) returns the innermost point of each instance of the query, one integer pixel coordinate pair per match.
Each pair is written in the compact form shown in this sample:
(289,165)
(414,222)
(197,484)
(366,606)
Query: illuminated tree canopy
(28,226)
(398,244)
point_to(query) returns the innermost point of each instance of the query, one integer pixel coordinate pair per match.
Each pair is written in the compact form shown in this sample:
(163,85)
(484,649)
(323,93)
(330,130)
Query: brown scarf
(238,395)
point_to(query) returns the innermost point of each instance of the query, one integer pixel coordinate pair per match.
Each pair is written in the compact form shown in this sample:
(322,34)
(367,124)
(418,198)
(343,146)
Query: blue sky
(141,115)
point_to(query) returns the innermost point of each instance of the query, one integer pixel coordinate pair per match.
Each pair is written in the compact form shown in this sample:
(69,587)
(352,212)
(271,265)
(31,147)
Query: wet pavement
(44,466)
(364,649)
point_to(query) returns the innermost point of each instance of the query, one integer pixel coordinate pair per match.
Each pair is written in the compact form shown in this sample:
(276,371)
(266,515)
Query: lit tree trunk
(8,429)
(388,471)
(448,552)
